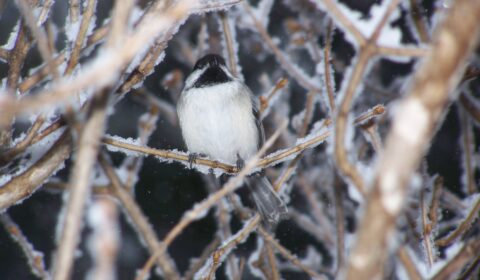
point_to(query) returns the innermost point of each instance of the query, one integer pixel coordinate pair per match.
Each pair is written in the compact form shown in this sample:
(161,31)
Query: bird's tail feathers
(271,208)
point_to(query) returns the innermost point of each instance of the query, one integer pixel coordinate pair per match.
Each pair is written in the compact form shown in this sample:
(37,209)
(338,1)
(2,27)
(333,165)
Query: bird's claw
(192,158)
(240,163)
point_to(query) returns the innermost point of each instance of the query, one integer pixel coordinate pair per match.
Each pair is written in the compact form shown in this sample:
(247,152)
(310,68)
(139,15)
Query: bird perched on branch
(219,118)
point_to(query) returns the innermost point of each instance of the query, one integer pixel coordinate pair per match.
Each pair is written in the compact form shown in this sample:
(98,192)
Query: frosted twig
(412,130)
(272,261)
(470,269)
(219,255)
(427,229)
(328,69)
(145,67)
(17,56)
(202,207)
(39,34)
(265,101)
(34,257)
(466,254)
(23,185)
(401,51)
(114,60)
(284,252)
(309,106)
(468,152)
(82,33)
(408,264)
(317,213)
(285,61)
(4,54)
(469,105)
(462,227)
(104,240)
(271,159)
(419,21)
(44,14)
(146,125)
(367,50)
(376,111)
(310,226)
(434,202)
(227,32)
(88,145)
(21,146)
(339,222)
(119,25)
(15,61)
(74,10)
(133,211)
(342,20)
(200,261)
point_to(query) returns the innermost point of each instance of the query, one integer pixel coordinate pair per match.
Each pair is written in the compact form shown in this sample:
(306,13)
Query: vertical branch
(88,144)
(227,32)
(39,34)
(339,221)
(82,33)
(410,135)
(74,10)
(468,152)
(105,239)
(426,230)
(141,223)
(327,68)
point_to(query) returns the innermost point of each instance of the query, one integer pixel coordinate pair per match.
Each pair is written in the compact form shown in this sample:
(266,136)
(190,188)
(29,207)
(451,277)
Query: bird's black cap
(214,74)
(211,60)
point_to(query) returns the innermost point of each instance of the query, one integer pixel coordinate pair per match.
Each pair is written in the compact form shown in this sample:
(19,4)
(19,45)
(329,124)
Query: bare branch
(411,131)
(34,258)
(88,145)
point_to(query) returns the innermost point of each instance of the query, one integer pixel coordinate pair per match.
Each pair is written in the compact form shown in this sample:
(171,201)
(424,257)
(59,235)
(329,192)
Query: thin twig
(434,202)
(408,264)
(82,33)
(227,32)
(21,146)
(141,223)
(455,265)
(470,269)
(426,230)
(285,62)
(265,100)
(200,261)
(74,10)
(462,227)
(104,240)
(282,250)
(328,68)
(39,34)
(468,151)
(34,258)
(339,222)
(240,236)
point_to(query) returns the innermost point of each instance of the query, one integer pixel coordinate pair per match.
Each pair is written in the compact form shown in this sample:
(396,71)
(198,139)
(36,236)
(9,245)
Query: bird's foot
(192,158)
(240,163)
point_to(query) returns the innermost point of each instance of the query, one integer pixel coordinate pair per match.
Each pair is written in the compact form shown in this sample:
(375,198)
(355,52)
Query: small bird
(219,118)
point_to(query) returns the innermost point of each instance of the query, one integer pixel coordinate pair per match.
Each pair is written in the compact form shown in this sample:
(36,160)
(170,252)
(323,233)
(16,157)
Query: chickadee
(219,119)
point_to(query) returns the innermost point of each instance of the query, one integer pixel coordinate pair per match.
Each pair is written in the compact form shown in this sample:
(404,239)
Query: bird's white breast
(218,121)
